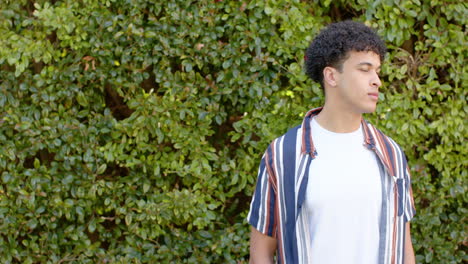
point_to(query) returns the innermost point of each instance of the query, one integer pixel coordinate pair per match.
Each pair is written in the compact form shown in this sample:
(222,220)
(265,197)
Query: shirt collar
(308,144)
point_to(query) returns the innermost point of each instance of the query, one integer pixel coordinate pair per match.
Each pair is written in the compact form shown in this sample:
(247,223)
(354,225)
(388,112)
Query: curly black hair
(332,46)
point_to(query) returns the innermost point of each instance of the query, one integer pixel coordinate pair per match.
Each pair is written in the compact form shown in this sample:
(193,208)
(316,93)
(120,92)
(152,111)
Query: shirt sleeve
(410,209)
(262,207)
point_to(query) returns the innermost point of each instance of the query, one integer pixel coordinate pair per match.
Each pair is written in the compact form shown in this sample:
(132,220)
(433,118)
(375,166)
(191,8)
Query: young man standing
(335,189)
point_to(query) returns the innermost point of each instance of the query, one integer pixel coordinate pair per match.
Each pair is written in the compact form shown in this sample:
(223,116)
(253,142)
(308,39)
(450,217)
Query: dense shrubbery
(131,131)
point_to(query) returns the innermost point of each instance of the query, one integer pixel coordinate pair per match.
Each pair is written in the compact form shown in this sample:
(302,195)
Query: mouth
(374,96)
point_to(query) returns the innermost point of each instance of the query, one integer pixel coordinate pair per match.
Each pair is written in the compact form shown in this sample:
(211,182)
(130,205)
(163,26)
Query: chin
(369,110)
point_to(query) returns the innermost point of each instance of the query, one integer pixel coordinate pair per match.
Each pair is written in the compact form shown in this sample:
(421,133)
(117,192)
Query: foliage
(131,131)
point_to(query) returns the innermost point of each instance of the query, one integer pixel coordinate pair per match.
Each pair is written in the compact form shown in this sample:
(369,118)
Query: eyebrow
(367,64)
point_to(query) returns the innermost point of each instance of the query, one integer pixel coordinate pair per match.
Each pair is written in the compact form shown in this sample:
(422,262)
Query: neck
(332,119)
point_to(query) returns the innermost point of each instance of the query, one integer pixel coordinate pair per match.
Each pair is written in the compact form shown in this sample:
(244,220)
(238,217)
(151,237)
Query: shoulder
(284,144)
(381,137)
(392,152)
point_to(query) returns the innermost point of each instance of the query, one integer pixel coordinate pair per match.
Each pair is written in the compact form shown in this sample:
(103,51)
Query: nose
(376,81)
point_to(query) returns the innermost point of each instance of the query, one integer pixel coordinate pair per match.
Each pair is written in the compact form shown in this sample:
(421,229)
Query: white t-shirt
(343,199)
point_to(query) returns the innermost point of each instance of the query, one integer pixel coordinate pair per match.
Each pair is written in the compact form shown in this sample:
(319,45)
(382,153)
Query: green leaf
(82,99)
(101,168)
(128,219)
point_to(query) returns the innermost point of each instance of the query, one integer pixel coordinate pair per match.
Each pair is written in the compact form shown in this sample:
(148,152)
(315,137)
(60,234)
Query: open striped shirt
(276,207)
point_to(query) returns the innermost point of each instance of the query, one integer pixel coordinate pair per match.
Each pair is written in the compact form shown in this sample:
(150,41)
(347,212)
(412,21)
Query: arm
(409,252)
(262,248)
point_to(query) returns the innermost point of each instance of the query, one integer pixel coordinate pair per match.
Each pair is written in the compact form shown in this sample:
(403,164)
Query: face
(356,86)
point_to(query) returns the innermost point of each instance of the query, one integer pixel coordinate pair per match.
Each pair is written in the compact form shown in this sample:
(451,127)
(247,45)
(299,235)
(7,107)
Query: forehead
(365,58)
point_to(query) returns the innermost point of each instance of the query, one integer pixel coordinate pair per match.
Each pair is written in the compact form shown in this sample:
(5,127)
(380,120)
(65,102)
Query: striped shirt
(276,207)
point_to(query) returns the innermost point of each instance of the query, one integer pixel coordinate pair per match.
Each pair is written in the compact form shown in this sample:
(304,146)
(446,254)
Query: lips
(374,96)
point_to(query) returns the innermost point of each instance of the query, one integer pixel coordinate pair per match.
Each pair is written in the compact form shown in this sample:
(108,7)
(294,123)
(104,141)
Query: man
(335,189)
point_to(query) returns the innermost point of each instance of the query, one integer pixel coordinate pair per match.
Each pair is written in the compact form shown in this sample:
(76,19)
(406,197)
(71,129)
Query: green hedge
(131,131)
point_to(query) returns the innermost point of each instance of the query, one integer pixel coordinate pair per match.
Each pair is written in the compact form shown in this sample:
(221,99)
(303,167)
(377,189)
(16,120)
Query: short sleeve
(262,206)
(410,209)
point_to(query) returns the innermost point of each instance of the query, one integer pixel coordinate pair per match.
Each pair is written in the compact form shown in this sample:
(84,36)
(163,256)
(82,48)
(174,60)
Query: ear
(330,76)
